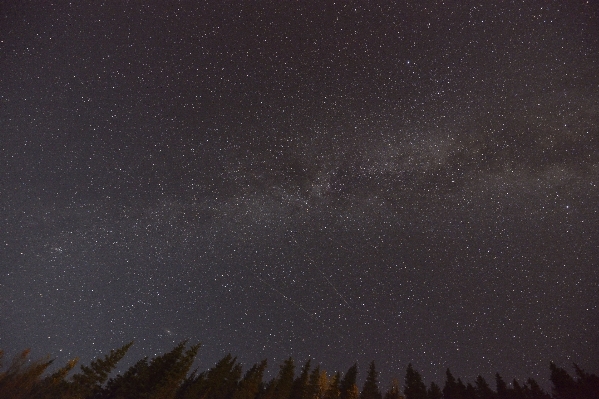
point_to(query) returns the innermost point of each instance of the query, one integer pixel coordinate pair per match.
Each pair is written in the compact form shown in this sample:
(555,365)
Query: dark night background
(343,181)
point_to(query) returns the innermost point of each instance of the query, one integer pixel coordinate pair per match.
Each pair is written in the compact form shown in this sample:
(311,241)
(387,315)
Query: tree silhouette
(586,386)
(482,388)
(299,390)
(451,390)
(501,387)
(371,389)
(317,384)
(159,378)
(250,384)
(434,392)
(348,382)
(535,390)
(333,391)
(267,390)
(167,377)
(89,381)
(414,388)
(20,379)
(394,392)
(53,385)
(353,392)
(284,384)
(220,382)
(469,392)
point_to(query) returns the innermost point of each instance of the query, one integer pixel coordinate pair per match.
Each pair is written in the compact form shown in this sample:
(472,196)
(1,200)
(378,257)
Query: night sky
(343,181)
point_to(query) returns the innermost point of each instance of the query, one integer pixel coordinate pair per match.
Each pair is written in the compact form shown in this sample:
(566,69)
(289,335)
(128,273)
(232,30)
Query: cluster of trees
(167,377)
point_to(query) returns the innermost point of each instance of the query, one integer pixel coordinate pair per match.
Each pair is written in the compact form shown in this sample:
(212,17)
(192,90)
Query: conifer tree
(461,389)
(414,388)
(317,384)
(313,386)
(285,379)
(90,379)
(469,392)
(451,389)
(482,389)
(434,392)
(267,390)
(129,383)
(371,389)
(323,384)
(220,382)
(250,384)
(588,384)
(501,387)
(394,391)
(517,391)
(585,386)
(299,390)
(164,377)
(348,381)
(174,374)
(353,392)
(159,378)
(190,384)
(535,390)
(564,386)
(55,384)
(19,380)
(333,391)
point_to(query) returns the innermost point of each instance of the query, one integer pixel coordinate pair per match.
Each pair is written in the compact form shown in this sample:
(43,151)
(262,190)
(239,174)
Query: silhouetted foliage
(333,391)
(348,382)
(461,389)
(299,390)
(394,391)
(90,380)
(220,382)
(469,392)
(353,392)
(482,389)
(434,392)
(250,384)
(285,380)
(267,390)
(501,387)
(53,385)
(167,377)
(535,390)
(371,389)
(451,389)
(20,379)
(586,386)
(317,384)
(414,388)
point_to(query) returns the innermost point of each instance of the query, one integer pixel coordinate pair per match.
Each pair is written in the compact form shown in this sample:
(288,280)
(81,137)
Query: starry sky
(347,181)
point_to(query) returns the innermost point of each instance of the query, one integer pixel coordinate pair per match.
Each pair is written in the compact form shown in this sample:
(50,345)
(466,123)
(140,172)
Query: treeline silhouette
(167,377)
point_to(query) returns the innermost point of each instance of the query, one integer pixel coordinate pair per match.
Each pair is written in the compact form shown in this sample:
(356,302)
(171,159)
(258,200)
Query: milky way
(343,182)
